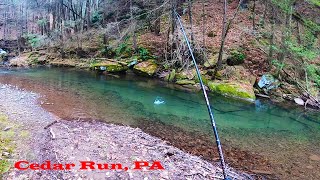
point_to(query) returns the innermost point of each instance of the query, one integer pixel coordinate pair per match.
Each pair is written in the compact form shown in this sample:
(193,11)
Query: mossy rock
(204,79)
(170,77)
(190,74)
(146,68)
(110,66)
(185,82)
(239,90)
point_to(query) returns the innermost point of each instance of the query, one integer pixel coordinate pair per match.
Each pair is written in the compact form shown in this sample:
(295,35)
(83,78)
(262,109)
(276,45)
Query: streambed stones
(314,157)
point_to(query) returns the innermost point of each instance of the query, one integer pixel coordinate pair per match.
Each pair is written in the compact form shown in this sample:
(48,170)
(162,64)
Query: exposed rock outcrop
(241,90)
(146,68)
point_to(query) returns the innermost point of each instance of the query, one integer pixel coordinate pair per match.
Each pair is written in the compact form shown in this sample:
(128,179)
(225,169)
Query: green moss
(147,68)
(264,42)
(109,66)
(170,77)
(233,89)
(6,144)
(186,82)
(204,79)
(237,57)
(185,75)
(4,166)
(107,51)
(144,54)
(181,76)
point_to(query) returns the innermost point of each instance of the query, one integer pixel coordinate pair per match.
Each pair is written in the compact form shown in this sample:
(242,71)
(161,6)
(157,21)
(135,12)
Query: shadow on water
(255,136)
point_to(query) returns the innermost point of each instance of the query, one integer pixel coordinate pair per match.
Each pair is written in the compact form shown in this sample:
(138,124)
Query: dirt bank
(74,141)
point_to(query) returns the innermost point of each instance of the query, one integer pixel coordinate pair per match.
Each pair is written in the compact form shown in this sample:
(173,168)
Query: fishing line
(213,124)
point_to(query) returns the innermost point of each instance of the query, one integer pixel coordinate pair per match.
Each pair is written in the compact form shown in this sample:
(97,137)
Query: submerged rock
(234,89)
(146,68)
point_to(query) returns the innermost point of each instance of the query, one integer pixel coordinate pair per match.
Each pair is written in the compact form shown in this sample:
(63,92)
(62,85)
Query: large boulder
(241,90)
(268,82)
(3,55)
(146,68)
(110,66)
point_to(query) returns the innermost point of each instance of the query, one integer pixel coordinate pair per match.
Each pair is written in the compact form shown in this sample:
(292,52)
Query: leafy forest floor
(36,135)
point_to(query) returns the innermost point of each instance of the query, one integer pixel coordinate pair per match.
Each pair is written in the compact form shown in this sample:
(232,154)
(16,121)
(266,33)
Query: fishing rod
(213,124)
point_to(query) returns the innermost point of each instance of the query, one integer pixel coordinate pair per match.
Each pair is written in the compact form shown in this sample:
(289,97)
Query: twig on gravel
(56,121)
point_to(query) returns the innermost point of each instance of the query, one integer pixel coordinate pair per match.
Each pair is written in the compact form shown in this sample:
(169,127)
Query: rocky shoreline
(233,81)
(41,136)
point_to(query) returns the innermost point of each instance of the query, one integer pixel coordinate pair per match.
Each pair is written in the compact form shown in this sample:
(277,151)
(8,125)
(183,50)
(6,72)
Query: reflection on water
(286,136)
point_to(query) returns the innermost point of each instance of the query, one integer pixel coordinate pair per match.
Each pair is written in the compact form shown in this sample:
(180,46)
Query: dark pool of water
(280,138)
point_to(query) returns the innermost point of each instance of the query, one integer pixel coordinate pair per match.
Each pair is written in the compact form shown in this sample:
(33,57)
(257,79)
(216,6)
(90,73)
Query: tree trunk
(285,35)
(133,23)
(223,37)
(190,19)
(203,25)
(254,15)
(271,40)
(88,14)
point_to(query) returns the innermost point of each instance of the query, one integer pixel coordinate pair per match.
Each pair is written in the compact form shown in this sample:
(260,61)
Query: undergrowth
(6,145)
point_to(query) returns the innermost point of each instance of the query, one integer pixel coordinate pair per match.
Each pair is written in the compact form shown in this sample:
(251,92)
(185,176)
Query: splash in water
(158,101)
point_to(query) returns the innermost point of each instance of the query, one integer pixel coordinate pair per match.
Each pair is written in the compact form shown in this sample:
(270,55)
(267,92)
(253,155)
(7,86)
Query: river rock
(146,68)
(5,154)
(314,157)
(309,167)
(241,90)
(268,82)
(299,101)
(110,66)
(7,128)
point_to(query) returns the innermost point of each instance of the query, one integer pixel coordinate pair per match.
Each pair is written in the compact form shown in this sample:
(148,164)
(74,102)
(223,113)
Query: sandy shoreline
(72,142)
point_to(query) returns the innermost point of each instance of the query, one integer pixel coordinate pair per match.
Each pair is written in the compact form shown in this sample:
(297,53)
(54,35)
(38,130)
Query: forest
(235,41)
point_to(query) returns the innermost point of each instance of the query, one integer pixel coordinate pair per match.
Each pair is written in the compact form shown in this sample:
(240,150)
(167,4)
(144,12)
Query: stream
(276,141)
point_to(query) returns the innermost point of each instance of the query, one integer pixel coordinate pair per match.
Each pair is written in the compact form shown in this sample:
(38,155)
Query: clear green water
(276,132)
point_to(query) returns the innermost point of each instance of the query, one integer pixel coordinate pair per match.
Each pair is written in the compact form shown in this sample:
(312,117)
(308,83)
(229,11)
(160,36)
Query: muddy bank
(74,141)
